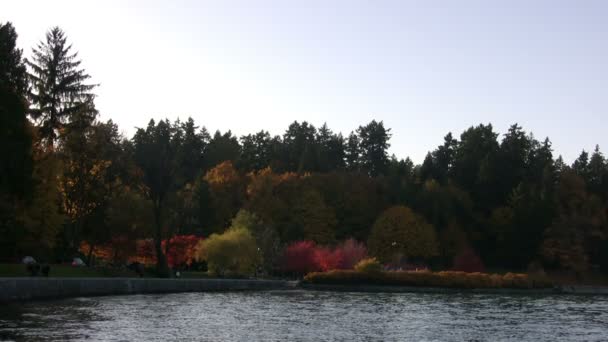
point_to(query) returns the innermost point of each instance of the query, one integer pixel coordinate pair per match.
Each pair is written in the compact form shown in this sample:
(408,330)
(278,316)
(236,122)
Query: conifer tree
(59,93)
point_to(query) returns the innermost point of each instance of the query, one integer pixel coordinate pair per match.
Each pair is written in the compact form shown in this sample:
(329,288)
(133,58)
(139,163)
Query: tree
(256,152)
(374,145)
(89,177)
(233,252)
(190,155)
(41,219)
(475,165)
(266,237)
(227,193)
(300,146)
(331,150)
(352,152)
(15,139)
(438,164)
(574,237)
(313,218)
(156,156)
(597,181)
(59,91)
(222,148)
(399,231)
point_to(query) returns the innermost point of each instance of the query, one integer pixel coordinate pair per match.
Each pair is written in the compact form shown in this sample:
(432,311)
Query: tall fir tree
(59,90)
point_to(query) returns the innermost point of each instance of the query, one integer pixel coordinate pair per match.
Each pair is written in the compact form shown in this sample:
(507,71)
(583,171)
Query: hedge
(447,279)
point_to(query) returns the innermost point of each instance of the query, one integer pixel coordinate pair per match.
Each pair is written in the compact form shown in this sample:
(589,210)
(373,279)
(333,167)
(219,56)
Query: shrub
(448,279)
(368,266)
(327,259)
(351,252)
(468,261)
(300,258)
(234,252)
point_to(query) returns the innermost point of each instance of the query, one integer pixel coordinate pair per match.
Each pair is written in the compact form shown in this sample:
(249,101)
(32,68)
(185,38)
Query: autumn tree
(227,192)
(91,176)
(266,237)
(233,252)
(312,218)
(575,235)
(399,231)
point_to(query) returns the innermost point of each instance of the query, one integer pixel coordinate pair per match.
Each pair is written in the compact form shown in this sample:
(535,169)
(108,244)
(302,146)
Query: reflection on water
(310,316)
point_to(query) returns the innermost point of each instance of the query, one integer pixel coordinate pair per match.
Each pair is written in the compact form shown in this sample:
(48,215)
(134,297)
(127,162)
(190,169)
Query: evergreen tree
(16,165)
(352,152)
(300,146)
(374,144)
(58,86)
(155,153)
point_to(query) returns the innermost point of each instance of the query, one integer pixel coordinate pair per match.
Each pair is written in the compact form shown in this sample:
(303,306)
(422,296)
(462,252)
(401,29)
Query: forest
(72,185)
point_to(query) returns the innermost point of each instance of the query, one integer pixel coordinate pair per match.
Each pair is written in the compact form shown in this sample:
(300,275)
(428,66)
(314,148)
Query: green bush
(447,279)
(368,265)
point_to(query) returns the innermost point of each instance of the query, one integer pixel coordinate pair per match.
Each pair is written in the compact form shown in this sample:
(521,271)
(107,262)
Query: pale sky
(423,67)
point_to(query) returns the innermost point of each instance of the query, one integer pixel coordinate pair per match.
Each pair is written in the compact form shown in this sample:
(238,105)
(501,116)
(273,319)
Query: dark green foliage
(373,146)
(16,163)
(58,90)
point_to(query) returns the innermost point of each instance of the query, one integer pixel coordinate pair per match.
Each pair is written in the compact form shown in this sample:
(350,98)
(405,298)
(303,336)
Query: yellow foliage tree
(232,253)
(399,231)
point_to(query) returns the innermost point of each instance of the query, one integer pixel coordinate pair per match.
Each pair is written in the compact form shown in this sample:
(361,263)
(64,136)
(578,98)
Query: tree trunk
(90,255)
(161,261)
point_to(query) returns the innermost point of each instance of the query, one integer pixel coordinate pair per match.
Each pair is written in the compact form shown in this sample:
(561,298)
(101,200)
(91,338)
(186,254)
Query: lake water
(310,316)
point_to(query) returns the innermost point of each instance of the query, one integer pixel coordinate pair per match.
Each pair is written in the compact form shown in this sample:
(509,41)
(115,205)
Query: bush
(232,253)
(447,279)
(368,266)
(300,258)
(351,253)
(468,261)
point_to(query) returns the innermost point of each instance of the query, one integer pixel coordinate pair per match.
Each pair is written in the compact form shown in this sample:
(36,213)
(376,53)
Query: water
(310,316)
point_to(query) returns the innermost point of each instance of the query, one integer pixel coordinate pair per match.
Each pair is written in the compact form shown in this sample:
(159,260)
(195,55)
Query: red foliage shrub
(181,249)
(326,259)
(468,261)
(304,256)
(351,253)
(300,257)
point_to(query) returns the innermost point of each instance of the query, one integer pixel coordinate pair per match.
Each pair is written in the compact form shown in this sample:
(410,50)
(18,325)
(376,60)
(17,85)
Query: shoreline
(31,289)
(557,290)
(28,289)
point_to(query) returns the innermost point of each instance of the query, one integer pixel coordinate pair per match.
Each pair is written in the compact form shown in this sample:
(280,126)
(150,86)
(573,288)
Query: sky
(425,68)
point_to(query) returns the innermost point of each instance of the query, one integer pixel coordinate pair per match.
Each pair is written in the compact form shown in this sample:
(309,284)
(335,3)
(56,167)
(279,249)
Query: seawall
(22,289)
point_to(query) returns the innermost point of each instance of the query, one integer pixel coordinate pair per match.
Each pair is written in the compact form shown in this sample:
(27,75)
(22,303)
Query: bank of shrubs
(368,272)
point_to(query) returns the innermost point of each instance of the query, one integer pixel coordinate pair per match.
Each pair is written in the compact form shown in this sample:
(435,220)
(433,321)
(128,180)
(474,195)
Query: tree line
(68,178)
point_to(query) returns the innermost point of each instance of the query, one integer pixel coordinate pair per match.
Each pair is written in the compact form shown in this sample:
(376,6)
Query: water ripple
(310,316)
